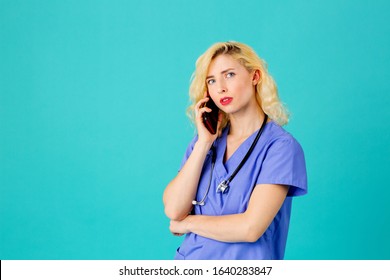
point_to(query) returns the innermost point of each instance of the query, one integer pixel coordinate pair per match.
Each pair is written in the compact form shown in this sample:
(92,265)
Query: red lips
(225,100)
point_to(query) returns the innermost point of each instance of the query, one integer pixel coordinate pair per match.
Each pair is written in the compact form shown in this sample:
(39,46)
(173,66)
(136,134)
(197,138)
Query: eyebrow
(223,72)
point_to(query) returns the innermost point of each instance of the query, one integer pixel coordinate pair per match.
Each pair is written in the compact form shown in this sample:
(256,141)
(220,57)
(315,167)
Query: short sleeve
(188,151)
(284,164)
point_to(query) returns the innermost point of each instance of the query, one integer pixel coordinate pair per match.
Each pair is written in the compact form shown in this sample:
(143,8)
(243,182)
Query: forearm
(182,189)
(265,202)
(227,228)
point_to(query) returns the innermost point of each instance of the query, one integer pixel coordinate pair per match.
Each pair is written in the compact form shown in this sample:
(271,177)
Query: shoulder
(277,136)
(283,161)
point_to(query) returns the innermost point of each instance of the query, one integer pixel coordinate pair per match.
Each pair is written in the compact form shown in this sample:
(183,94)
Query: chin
(230,112)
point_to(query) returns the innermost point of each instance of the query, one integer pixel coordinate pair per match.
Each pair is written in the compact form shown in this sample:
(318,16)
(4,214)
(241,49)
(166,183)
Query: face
(231,85)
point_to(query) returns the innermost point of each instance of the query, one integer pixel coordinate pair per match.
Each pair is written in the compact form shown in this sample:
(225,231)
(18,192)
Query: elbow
(170,210)
(252,238)
(173,214)
(175,210)
(253,234)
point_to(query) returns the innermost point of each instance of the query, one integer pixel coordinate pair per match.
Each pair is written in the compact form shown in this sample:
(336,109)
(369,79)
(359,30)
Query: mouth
(225,100)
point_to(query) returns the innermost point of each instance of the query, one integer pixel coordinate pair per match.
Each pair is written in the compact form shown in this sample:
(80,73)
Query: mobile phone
(210,120)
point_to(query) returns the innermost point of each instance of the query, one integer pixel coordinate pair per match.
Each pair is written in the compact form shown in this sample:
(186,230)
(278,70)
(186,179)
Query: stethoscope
(223,187)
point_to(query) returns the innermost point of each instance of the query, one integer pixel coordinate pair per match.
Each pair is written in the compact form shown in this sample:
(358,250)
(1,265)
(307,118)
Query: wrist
(203,146)
(189,223)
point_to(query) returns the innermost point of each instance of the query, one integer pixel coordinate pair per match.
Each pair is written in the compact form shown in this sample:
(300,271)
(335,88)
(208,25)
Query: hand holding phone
(210,120)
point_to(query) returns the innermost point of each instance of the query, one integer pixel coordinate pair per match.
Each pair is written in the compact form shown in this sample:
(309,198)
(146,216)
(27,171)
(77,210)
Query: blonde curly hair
(266,89)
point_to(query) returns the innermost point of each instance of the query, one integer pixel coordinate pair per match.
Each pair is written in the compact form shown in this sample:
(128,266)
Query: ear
(256,77)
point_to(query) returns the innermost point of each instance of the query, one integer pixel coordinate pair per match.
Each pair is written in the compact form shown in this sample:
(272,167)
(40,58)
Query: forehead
(221,63)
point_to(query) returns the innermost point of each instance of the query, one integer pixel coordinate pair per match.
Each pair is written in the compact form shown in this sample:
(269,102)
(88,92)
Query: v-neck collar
(226,168)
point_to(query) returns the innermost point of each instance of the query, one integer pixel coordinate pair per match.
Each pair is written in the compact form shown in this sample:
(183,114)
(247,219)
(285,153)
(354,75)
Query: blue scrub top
(277,159)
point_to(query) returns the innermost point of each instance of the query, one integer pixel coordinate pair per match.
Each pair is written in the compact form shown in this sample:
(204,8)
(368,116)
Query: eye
(210,82)
(230,75)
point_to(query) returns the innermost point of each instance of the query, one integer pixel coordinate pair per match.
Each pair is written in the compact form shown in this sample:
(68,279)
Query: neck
(242,126)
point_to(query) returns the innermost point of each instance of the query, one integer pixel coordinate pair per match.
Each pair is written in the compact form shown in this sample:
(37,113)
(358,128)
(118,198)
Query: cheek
(212,92)
(244,88)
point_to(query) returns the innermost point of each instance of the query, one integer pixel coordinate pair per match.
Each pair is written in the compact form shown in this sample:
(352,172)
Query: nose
(221,88)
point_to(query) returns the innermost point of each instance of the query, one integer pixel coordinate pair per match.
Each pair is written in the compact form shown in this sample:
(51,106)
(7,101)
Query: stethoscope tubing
(213,159)
(224,185)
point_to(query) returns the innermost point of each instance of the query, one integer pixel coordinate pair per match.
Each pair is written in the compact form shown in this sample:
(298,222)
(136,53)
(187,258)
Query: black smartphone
(210,120)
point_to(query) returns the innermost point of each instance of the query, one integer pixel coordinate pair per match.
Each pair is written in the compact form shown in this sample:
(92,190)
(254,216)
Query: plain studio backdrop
(93,126)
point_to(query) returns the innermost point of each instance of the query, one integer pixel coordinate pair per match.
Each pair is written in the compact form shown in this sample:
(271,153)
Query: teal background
(92,120)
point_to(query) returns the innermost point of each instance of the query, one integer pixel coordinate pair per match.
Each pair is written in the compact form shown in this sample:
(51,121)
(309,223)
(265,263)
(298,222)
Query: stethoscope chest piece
(223,187)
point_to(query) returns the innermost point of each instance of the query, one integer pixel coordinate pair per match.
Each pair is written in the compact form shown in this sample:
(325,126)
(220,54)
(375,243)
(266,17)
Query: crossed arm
(264,204)
(249,226)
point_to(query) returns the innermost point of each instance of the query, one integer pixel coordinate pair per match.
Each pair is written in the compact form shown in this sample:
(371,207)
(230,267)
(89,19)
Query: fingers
(173,227)
(178,228)
(201,102)
(203,133)
(200,107)
(200,112)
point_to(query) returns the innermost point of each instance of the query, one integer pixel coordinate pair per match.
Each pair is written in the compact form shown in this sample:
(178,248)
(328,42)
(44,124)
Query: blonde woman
(232,196)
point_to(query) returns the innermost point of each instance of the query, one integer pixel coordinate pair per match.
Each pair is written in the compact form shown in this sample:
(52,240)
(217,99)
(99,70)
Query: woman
(247,218)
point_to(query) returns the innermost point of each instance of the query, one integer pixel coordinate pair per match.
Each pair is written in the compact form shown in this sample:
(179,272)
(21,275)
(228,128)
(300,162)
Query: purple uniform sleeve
(188,152)
(284,164)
